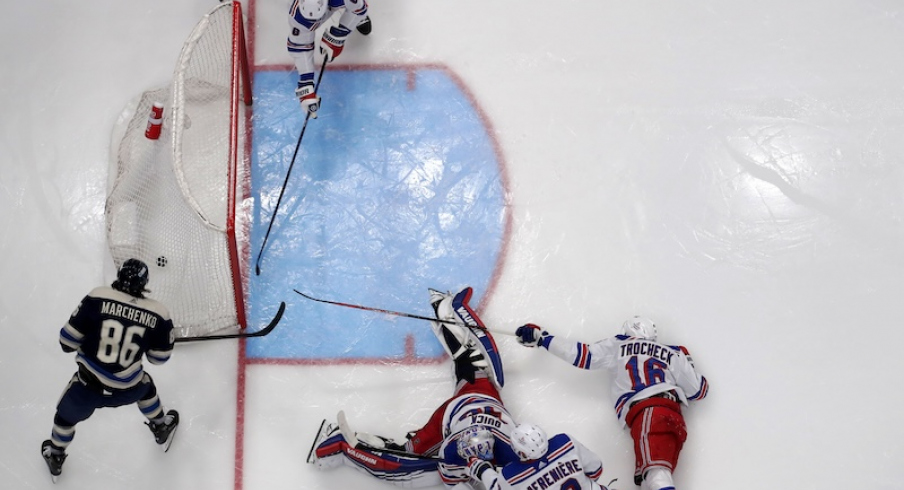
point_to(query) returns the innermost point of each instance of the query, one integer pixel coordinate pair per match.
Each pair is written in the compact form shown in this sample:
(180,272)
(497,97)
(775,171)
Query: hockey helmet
(312,9)
(132,277)
(640,327)
(529,442)
(476,442)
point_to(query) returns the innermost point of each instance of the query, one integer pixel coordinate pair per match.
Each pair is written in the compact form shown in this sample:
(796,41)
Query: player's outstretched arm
(578,354)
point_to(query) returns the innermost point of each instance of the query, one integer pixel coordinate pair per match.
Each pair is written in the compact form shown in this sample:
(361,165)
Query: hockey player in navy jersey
(305,16)
(472,423)
(556,463)
(651,381)
(110,331)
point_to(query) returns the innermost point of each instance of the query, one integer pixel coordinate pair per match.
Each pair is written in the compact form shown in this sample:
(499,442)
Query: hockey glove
(477,466)
(332,42)
(307,96)
(530,335)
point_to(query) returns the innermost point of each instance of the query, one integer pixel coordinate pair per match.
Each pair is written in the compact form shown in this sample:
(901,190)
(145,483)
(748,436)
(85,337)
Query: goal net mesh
(173,200)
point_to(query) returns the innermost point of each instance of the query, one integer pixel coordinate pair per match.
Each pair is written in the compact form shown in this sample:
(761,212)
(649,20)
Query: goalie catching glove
(307,94)
(531,335)
(333,41)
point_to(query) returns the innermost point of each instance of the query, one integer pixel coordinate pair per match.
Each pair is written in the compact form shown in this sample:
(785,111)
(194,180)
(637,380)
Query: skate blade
(169,440)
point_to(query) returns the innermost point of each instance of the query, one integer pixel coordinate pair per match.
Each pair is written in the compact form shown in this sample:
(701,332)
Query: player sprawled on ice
(650,383)
(110,331)
(305,16)
(471,425)
(559,462)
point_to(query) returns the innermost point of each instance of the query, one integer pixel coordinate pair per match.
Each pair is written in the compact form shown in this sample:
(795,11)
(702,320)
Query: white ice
(732,169)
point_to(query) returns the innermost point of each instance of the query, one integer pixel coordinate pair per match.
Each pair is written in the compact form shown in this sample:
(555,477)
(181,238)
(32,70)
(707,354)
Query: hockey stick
(395,452)
(307,117)
(260,333)
(390,312)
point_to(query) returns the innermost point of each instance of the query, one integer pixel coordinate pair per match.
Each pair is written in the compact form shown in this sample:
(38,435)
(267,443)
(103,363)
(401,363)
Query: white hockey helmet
(476,442)
(312,9)
(640,327)
(529,442)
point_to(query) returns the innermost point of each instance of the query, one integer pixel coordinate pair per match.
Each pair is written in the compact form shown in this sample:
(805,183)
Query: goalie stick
(260,333)
(390,312)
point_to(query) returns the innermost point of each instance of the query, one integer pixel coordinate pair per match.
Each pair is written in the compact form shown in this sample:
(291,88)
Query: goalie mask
(529,442)
(132,278)
(476,442)
(640,327)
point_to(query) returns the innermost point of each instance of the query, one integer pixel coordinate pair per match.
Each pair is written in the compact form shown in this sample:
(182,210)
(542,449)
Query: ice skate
(54,458)
(166,431)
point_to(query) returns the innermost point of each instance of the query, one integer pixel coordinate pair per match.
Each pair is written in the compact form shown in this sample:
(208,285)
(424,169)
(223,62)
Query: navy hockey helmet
(132,277)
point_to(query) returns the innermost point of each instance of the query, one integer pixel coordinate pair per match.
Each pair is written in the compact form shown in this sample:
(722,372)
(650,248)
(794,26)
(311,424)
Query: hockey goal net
(175,202)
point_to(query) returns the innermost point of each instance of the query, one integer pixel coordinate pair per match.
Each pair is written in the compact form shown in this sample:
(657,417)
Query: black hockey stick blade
(260,333)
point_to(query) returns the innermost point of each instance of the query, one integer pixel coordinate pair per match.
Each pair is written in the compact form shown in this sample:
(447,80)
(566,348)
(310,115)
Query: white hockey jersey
(567,465)
(640,368)
(463,412)
(477,409)
(300,42)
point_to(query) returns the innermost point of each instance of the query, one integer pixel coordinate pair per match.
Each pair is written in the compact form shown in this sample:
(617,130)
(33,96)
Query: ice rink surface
(732,169)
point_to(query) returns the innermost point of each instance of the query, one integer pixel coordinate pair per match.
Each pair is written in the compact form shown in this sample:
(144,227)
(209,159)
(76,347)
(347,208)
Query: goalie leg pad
(329,452)
(403,471)
(455,308)
(465,338)
(491,362)
(453,335)
(342,446)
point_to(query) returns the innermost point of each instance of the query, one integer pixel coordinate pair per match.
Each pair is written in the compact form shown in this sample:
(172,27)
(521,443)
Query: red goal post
(176,202)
